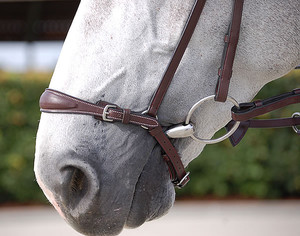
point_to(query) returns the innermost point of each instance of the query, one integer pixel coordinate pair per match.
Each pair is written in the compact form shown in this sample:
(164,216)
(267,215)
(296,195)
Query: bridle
(53,101)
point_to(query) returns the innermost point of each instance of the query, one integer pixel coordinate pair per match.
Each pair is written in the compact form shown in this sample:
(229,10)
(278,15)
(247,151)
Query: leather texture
(238,135)
(253,109)
(53,101)
(231,41)
(176,168)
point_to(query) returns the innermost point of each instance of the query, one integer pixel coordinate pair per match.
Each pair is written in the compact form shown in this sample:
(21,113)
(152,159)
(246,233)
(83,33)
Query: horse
(102,177)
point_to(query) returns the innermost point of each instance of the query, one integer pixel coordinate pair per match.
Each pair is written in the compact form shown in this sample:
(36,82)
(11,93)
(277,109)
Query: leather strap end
(238,135)
(50,100)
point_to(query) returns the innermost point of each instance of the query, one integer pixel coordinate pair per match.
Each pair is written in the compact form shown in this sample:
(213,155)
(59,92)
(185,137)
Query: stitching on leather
(98,107)
(136,122)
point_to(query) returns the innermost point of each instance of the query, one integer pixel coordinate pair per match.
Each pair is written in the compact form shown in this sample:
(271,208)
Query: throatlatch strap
(177,56)
(231,40)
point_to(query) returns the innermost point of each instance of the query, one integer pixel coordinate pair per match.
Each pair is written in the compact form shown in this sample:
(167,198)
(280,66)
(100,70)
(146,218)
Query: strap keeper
(126,116)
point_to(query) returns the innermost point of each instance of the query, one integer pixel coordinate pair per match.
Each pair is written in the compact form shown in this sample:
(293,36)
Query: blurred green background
(264,165)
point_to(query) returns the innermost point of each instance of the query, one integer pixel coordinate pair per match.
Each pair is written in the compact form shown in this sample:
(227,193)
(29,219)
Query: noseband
(53,101)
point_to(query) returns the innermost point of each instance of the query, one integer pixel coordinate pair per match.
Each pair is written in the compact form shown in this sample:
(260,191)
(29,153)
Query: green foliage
(19,96)
(266,164)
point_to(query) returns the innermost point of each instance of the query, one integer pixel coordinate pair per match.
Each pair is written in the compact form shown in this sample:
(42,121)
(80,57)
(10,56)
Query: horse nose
(79,187)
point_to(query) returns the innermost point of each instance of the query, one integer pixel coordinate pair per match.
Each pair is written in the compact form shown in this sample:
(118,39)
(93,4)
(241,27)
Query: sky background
(22,56)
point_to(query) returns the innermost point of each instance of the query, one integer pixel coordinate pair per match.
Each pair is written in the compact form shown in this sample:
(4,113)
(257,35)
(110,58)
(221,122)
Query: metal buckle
(105,112)
(146,112)
(296,114)
(183,181)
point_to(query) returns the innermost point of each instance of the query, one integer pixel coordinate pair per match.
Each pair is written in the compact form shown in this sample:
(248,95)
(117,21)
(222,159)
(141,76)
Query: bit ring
(217,140)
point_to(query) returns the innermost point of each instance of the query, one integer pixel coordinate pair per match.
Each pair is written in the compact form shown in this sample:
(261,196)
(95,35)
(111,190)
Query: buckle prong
(105,112)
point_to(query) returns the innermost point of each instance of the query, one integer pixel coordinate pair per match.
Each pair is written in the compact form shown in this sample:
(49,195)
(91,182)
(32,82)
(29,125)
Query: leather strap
(176,58)
(231,40)
(177,172)
(250,110)
(237,136)
(253,109)
(53,101)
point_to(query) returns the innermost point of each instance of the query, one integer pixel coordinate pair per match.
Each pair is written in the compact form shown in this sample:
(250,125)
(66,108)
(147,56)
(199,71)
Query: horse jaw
(117,52)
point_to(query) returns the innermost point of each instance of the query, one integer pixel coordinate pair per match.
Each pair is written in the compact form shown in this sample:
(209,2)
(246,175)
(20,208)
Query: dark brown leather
(176,58)
(177,171)
(231,41)
(53,101)
(237,136)
(126,116)
(253,109)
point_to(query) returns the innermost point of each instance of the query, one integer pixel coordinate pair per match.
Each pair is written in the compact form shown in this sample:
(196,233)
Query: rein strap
(248,111)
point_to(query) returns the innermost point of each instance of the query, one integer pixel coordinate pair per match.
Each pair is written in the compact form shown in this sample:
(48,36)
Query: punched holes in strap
(231,41)
(176,168)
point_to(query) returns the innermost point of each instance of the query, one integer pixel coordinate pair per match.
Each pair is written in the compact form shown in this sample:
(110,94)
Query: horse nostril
(78,187)
(75,186)
(77,181)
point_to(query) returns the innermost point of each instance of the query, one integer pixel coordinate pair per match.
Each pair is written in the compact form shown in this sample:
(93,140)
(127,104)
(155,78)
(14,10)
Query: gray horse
(102,177)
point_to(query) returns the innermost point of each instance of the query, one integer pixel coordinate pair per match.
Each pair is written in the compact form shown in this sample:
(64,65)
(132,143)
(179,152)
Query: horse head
(101,176)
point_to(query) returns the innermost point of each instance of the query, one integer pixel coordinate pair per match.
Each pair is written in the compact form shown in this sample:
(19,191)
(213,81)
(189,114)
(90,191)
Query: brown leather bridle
(53,101)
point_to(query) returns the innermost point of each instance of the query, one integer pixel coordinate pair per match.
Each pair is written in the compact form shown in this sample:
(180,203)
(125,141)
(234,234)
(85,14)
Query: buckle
(297,131)
(146,113)
(183,181)
(105,112)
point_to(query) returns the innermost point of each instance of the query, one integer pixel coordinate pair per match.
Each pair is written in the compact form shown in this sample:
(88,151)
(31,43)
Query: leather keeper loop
(126,116)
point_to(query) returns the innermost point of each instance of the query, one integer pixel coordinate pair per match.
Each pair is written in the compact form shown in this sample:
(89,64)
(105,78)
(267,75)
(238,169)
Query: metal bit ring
(217,140)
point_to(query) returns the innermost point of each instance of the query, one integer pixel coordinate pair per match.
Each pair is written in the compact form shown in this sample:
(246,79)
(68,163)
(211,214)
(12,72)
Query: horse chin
(154,193)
